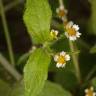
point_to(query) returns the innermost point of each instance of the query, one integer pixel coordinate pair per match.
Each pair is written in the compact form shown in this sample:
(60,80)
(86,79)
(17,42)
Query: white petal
(56,32)
(76,27)
(63,65)
(78,34)
(62,53)
(94,94)
(58,65)
(70,24)
(66,34)
(67,57)
(61,7)
(56,58)
(72,38)
(86,90)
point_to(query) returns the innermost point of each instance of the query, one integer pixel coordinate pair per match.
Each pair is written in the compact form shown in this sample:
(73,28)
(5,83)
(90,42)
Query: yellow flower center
(61,60)
(61,13)
(71,31)
(53,34)
(90,92)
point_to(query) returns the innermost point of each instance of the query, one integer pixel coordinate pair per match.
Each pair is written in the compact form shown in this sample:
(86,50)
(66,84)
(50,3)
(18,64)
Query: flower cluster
(71,32)
(90,92)
(61,59)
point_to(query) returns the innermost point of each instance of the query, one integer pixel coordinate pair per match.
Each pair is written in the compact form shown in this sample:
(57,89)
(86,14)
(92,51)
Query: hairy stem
(9,68)
(75,62)
(8,40)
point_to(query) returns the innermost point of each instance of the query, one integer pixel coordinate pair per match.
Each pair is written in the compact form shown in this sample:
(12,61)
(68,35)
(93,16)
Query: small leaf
(52,89)
(35,72)
(37,18)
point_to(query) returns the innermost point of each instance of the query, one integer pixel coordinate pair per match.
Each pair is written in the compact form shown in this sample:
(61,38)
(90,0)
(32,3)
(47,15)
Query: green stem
(9,68)
(75,62)
(8,40)
(91,73)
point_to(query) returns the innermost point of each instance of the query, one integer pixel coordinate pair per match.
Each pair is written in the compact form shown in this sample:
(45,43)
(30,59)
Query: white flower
(62,12)
(72,31)
(90,92)
(61,59)
(54,34)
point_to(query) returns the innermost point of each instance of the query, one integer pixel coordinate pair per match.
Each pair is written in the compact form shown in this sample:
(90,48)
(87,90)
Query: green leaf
(37,18)
(93,49)
(17,89)
(52,89)
(23,58)
(4,88)
(60,45)
(35,72)
(67,79)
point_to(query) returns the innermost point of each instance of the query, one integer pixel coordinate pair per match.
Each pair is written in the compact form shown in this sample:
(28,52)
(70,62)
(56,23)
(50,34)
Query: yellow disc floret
(54,34)
(90,92)
(61,60)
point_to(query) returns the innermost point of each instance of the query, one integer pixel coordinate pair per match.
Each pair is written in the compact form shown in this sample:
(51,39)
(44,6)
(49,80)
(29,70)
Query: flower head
(72,31)
(54,34)
(62,12)
(61,59)
(90,92)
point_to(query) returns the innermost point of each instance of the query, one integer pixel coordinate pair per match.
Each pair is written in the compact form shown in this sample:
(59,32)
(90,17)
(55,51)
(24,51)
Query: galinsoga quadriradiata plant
(37,18)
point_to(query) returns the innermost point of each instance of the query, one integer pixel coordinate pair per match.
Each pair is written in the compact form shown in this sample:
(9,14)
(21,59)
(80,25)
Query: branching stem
(6,31)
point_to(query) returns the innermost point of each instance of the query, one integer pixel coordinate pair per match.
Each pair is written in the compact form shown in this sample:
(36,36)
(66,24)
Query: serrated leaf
(52,89)
(37,18)
(35,72)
